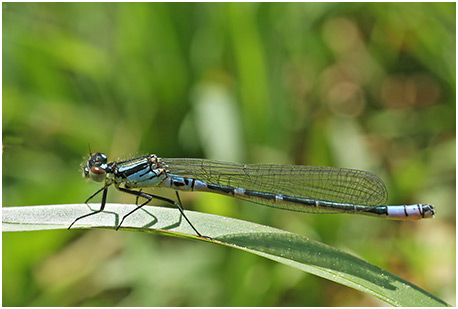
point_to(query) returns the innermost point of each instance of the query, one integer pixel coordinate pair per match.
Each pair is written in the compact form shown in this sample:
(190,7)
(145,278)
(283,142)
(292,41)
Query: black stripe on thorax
(129,170)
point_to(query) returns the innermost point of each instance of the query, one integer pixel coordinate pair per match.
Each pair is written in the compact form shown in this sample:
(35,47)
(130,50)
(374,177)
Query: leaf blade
(281,246)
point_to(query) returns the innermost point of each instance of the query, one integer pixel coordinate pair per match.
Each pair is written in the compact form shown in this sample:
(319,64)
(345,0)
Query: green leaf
(281,246)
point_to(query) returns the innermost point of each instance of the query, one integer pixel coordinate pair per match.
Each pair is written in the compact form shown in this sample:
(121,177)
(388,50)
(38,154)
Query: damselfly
(311,189)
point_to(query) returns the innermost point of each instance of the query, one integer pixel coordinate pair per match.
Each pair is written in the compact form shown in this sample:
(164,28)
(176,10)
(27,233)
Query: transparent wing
(332,184)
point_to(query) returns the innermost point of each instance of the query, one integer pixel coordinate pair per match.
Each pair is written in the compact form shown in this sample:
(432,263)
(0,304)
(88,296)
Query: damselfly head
(96,166)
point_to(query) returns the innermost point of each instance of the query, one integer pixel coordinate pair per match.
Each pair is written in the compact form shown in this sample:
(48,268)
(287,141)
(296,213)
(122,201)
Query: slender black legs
(148,198)
(138,194)
(104,200)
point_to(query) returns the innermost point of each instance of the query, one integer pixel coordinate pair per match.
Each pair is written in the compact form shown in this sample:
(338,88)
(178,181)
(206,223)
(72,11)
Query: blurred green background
(366,86)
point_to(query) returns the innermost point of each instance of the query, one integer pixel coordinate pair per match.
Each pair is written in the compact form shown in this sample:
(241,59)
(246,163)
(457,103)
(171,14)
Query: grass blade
(281,246)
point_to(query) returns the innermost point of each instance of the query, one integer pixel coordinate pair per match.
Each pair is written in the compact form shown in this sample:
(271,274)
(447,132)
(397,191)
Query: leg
(180,208)
(149,197)
(90,197)
(104,199)
(138,196)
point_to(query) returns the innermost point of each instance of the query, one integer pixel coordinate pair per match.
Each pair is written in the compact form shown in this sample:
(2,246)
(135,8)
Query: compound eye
(99,157)
(97,173)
